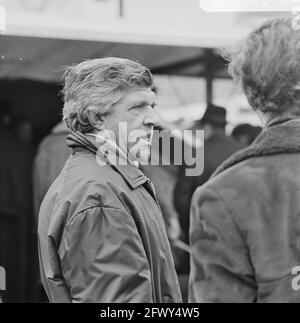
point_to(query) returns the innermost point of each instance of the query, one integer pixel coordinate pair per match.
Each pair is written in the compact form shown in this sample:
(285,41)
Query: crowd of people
(129,233)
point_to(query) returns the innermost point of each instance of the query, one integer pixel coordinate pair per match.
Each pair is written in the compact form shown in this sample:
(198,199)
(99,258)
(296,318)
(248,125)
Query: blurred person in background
(21,127)
(49,161)
(164,178)
(16,220)
(245,222)
(5,114)
(101,233)
(245,134)
(217,148)
(51,157)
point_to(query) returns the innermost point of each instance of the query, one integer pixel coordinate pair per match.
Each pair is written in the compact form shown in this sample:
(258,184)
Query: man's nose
(151,118)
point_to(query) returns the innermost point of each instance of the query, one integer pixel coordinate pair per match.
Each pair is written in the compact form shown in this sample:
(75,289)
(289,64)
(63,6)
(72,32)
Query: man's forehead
(139,95)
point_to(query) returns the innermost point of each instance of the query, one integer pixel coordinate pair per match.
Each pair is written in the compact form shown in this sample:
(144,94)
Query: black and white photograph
(149,154)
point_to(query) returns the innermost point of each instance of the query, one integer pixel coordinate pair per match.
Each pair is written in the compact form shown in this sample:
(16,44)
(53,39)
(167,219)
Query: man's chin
(140,153)
(144,159)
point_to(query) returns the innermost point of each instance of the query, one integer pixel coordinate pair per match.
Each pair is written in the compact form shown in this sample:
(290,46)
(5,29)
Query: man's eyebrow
(143,102)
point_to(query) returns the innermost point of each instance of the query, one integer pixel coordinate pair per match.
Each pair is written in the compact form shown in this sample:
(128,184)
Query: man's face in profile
(135,111)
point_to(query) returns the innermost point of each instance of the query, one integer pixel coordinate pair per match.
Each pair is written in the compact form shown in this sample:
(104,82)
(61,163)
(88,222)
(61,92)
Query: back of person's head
(98,84)
(245,133)
(266,65)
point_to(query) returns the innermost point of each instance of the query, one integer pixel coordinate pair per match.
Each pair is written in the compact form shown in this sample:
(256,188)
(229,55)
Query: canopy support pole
(209,76)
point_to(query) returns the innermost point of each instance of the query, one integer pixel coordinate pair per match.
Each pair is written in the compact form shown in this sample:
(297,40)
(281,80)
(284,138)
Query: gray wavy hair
(99,83)
(267,66)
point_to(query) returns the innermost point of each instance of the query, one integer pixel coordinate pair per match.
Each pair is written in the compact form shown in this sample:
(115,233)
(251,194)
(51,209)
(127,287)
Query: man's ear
(95,118)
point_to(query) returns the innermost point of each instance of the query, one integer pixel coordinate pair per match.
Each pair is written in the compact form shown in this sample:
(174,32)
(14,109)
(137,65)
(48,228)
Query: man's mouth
(144,141)
(147,138)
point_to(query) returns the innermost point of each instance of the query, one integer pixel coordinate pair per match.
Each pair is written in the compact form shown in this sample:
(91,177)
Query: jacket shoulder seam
(73,218)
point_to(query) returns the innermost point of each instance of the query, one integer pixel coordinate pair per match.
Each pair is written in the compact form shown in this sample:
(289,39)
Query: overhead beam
(209,75)
(202,64)
(177,66)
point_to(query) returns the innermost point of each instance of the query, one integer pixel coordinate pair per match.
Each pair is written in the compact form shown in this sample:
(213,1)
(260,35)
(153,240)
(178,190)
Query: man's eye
(141,106)
(137,107)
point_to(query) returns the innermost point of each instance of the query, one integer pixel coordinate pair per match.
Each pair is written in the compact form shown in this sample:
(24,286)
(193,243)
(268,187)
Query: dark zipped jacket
(101,234)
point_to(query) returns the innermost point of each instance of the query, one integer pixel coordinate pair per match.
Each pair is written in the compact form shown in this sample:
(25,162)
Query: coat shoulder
(83,184)
(84,172)
(254,182)
(238,177)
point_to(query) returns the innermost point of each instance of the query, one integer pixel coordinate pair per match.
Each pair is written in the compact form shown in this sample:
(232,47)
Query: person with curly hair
(245,222)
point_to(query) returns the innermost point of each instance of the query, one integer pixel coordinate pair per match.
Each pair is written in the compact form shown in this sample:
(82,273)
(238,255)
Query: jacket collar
(280,137)
(131,174)
(60,129)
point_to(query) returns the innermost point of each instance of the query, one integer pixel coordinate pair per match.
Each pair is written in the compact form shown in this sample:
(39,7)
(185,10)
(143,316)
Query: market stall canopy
(170,36)
(44,58)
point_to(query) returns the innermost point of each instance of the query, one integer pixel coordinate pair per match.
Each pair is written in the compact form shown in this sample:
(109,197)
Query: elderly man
(101,233)
(245,222)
